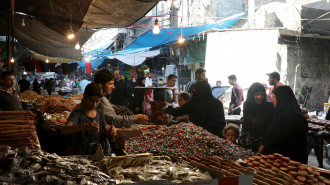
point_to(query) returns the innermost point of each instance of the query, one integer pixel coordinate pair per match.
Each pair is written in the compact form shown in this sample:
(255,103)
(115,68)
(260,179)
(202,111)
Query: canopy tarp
(169,35)
(134,57)
(47,23)
(136,53)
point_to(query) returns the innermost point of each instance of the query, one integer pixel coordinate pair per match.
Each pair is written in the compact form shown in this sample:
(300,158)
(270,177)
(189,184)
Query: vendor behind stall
(105,80)
(87,124)
(204,110)
(9,98)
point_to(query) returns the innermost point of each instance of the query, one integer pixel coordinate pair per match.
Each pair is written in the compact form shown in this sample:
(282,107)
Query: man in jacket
(236,96)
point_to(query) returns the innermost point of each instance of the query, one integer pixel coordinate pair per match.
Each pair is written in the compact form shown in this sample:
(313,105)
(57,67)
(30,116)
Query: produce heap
(30,96)
(187,140)
(58,104)
(153,168)
(77,97)
(319,127)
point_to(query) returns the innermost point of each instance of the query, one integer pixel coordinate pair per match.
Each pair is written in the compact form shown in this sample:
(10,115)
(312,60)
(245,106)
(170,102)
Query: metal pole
(295,79)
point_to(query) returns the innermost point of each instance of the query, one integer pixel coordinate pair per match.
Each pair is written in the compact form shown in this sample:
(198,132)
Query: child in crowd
(88,126)
(231,132)
(157,109)
(183,98)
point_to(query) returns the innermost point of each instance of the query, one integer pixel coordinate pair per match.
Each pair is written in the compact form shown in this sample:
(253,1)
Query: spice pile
(58,104)
(17,129)
(155,168)
(187,140)
(30,96)
(37,167)
(121,110)
(293,171)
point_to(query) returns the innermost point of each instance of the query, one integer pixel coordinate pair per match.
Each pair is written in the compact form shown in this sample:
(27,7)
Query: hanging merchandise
(88,66)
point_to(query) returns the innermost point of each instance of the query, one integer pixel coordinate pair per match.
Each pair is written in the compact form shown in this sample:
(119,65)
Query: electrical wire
(51,6)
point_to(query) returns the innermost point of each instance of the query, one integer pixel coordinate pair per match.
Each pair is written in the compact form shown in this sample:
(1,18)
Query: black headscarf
(139,81)
(257,118)
(287,105)
(204,110)
(139,96)
(132,84)
(250,105)
(287,133)
(201,91)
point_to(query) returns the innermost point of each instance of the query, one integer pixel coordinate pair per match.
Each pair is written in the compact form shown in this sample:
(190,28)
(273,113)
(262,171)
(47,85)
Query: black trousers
(236,112)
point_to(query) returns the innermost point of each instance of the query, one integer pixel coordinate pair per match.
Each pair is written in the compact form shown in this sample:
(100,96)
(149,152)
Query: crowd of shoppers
(273,123)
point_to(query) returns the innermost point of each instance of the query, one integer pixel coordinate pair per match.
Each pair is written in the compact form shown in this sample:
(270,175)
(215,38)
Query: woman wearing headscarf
(204,110)
(257,117)
(139,96)
(36,86)
(287,133)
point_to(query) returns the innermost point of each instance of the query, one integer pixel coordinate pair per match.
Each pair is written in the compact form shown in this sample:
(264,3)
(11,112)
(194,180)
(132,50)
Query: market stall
(182,153)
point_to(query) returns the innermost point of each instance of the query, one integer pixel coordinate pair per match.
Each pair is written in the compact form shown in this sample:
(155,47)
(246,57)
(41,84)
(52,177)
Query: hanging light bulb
(77,46)
(70,33)
(156,29)
(181,40)
(12,60)
(70,36)
(87,59)
(89,56)
(23,23)
(47,61)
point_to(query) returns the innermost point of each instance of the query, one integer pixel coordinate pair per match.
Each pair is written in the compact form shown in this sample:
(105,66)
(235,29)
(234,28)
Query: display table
(236,119)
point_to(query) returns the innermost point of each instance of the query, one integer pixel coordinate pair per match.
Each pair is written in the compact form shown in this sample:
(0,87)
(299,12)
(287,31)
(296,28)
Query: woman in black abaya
(139,96)
(287,133)
(204,110)
(258,114)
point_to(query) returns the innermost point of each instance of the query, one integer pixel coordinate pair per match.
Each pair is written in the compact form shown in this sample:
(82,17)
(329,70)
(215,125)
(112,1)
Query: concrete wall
(225,8)
(313,55)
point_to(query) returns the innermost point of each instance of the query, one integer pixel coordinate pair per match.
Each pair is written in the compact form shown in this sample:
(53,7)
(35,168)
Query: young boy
(87,124)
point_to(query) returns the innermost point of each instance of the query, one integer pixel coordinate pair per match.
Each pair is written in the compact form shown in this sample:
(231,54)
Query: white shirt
(148,82)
